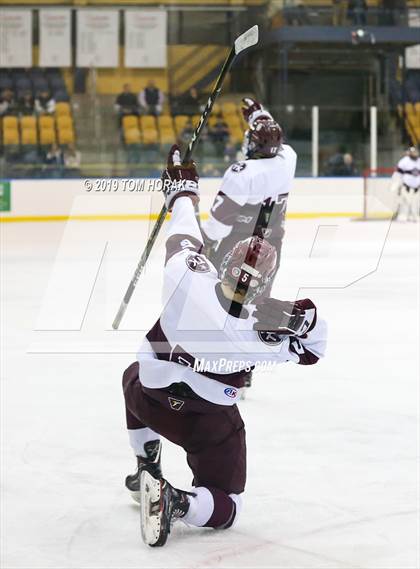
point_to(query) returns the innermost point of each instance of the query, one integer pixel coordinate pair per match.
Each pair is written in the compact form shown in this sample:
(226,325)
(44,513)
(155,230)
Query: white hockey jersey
(245,186)
(409,169)
(203,339)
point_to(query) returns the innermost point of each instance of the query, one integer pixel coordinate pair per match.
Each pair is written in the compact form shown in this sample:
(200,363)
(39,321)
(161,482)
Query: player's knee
(213,508)
(226,509)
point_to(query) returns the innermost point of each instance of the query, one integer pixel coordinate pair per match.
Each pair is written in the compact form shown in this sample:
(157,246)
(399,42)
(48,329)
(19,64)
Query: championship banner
(97,38)
(55,38)
(145,38)
(15,38)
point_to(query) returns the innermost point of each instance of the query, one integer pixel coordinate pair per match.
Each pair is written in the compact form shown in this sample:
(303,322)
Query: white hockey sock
(138,438)
(201,507)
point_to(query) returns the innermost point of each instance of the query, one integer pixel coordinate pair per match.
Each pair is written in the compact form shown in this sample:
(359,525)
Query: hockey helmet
(249,267)
(263,139)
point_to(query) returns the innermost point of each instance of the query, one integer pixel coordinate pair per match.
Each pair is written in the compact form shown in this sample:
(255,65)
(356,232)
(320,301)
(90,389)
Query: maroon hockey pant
(213,437)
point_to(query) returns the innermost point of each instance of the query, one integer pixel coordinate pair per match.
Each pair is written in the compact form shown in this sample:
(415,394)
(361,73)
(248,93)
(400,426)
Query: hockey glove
(288,318)
(252,110)
(179,179)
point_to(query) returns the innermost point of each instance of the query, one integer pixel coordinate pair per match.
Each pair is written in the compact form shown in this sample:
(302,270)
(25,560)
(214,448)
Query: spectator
(356,12)
(151,99)
(27,104)
(341,164)
(54,161)
(126,102)
(72,160)
(349,168)
(45,103)
(219,135)
(190,102)
(7,103)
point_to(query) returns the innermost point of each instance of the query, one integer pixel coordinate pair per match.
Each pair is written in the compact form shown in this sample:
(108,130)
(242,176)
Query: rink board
(113,199)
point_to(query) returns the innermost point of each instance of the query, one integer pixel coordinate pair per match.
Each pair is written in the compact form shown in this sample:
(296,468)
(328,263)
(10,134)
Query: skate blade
(150,508)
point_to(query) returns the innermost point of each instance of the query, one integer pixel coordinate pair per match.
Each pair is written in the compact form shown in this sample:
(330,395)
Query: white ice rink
(332,448)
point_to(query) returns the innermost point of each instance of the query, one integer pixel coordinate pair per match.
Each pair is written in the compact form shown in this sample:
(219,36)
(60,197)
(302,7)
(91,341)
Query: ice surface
(332,478)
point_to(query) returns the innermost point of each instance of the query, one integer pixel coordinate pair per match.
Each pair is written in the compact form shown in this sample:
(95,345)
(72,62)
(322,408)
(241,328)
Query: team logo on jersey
(238,167)
(231,392)
(197,263)
(176,404)
(270,338)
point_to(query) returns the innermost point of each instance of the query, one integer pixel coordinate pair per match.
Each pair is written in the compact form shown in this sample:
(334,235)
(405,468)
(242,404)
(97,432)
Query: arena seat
(64,121)
(132,136)
(62,109)
(47,136)
(148,122)
(180,122)
(130,121)
(150,136)
(10,136)
(10,122)
(165,122)
(46,121)
(212,120)
(65,136)
(230,109)
(29,136)
(28,122)
(233,122)
(237,135)
(167,137)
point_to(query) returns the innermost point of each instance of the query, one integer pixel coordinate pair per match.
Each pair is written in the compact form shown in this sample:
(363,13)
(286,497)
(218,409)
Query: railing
(340,14)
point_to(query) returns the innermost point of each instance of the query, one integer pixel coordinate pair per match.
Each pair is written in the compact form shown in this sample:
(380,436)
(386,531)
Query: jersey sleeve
(183,249)
(183,231)
(233,194)
(302,350)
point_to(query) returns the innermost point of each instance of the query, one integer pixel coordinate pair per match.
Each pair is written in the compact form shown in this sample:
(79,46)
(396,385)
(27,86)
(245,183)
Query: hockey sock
(214,508)
(138,438)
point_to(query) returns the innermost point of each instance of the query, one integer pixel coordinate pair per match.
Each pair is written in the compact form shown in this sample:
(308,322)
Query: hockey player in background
(252,199)
(184,384)
(408,170)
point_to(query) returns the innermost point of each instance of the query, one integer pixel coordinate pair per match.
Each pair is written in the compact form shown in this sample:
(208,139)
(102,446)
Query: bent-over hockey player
(185,382)
(409,189)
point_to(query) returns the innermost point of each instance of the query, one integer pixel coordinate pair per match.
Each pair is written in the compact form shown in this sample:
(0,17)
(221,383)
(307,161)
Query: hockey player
(185,382)
(408,169)
(252,199)
(253,196)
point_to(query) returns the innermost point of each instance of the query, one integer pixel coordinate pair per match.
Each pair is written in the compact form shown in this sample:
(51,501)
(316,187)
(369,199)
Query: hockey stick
(244,41)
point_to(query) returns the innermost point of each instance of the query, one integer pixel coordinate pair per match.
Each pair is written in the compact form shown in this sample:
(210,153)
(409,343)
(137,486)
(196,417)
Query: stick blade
(246,40)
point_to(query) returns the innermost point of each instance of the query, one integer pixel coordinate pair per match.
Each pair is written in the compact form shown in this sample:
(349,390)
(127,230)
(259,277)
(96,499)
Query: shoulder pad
(238,167)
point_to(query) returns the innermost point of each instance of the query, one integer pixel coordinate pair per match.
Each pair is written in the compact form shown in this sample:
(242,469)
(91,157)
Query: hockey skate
(161,506)
(151,461)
